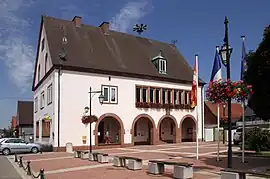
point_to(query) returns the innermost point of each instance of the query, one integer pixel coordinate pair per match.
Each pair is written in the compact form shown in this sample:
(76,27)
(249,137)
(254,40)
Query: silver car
(16,145)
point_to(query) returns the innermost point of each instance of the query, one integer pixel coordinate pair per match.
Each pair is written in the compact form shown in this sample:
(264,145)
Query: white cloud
(15,49)
(130,14)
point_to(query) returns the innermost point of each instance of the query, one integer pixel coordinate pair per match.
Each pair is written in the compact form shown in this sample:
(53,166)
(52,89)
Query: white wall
(48,109)
(74,97)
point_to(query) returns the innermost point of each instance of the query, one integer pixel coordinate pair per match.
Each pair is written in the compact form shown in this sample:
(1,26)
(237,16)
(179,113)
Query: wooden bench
(230,173)
(131,163)
(180,170)
(100,157)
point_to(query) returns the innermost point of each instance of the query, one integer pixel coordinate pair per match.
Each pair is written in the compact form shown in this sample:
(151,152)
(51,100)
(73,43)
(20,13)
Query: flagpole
(218,123)
(243,68)
(197,113)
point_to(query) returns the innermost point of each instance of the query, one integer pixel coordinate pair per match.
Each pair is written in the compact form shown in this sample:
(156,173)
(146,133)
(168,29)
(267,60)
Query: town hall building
(145,85)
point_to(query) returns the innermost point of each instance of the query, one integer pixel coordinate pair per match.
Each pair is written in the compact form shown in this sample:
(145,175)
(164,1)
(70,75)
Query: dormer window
(162,66)
(160,63)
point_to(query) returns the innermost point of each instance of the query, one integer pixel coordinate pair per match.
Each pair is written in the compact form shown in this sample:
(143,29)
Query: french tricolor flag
(216,71)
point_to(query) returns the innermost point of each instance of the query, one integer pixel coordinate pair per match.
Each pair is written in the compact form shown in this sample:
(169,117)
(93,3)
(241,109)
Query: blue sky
(196,25)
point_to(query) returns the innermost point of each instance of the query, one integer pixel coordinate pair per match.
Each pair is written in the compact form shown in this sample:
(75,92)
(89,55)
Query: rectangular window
(113,94)
(157,95)
(144,91)
(37,129)
(186,97)
(180,100)
(169,94)
(36,104)
(163,96)
(42,100)
(105,91)
(163,66)
(110,94)
(175,97)
(42,44)
(49,94)
(151,95)
(138,94)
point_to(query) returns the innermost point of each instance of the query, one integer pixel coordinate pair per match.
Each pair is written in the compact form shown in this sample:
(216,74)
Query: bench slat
(132,158)
(171,163)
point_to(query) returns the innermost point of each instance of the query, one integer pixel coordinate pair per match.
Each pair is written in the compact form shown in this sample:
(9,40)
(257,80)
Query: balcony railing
(160,106)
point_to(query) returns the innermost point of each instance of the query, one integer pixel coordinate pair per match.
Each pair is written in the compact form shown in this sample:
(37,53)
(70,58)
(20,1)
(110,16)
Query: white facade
(74,97)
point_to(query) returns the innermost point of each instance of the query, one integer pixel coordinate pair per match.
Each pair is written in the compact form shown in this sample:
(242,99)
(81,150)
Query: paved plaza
(65,166)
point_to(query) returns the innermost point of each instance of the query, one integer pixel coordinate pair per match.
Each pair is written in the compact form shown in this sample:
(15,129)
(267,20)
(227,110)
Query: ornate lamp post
(86,109)
(225,54)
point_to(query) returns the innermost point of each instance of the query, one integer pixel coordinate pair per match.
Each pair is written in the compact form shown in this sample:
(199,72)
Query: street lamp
(225,54)
(89,109)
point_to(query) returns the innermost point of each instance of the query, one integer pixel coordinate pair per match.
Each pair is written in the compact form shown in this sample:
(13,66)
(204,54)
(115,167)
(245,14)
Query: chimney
(77,21)
(104,26)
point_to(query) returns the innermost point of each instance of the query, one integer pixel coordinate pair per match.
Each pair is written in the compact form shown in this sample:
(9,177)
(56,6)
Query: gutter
(58,122)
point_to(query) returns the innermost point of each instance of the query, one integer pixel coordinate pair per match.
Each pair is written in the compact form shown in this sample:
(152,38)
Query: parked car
(237,135)
(17,145)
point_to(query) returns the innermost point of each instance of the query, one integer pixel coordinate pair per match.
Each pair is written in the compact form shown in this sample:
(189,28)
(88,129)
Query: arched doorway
(188,129)
(167,128)
(143,130)
(111,125)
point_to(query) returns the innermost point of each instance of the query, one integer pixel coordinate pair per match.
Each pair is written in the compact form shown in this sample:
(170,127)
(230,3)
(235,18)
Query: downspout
(58,127)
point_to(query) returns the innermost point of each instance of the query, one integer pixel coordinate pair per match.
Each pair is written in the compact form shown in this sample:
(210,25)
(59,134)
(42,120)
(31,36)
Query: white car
(237,135)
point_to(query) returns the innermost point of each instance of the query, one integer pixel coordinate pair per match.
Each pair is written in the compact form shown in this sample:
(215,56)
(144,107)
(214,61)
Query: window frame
(163,63)
(36,104)
(42,44)
(38,72)
(45,63)
(110,88)
(49,94)
(42,100)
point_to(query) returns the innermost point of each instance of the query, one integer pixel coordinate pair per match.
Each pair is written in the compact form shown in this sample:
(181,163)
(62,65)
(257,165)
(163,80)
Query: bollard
(41,174)
(28,168)
(20,163)
(16,159)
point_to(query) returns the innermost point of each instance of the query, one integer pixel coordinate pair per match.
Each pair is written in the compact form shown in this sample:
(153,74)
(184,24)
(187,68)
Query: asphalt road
(7,171)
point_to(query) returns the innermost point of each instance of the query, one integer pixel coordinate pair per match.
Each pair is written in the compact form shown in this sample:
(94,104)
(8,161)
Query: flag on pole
(216,76)
(243,60)
(216,70)
(194,84)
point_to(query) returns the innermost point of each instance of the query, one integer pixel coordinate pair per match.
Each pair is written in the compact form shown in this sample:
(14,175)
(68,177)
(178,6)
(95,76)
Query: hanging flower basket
(220,91)
(87,119)
(242,91)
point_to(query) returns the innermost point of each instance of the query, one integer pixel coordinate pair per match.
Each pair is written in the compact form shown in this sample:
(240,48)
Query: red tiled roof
(236,110)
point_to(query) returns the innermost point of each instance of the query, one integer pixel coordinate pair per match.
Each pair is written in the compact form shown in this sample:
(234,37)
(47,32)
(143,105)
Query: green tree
(258,75)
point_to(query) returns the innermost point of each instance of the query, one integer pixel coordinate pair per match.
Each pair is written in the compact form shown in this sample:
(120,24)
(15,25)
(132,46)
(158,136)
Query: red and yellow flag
(193,95)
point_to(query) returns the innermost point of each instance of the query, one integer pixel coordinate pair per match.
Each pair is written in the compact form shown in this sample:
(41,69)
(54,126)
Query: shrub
(258,140)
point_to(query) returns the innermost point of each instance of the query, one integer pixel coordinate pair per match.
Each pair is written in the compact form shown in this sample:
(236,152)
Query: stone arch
(118,119)
(193,126)
(153,133)
(176,131)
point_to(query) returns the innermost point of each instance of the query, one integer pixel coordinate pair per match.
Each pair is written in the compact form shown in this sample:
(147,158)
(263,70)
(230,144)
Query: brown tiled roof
(90,50)
(25,113)
(236,110)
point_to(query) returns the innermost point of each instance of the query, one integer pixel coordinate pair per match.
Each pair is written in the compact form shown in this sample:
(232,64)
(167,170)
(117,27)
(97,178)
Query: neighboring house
(252,120)
(24,120)
(210,113)
(210,119)
(146,86)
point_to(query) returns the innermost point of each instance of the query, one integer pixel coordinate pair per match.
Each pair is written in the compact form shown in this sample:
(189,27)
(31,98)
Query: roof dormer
(160,63)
